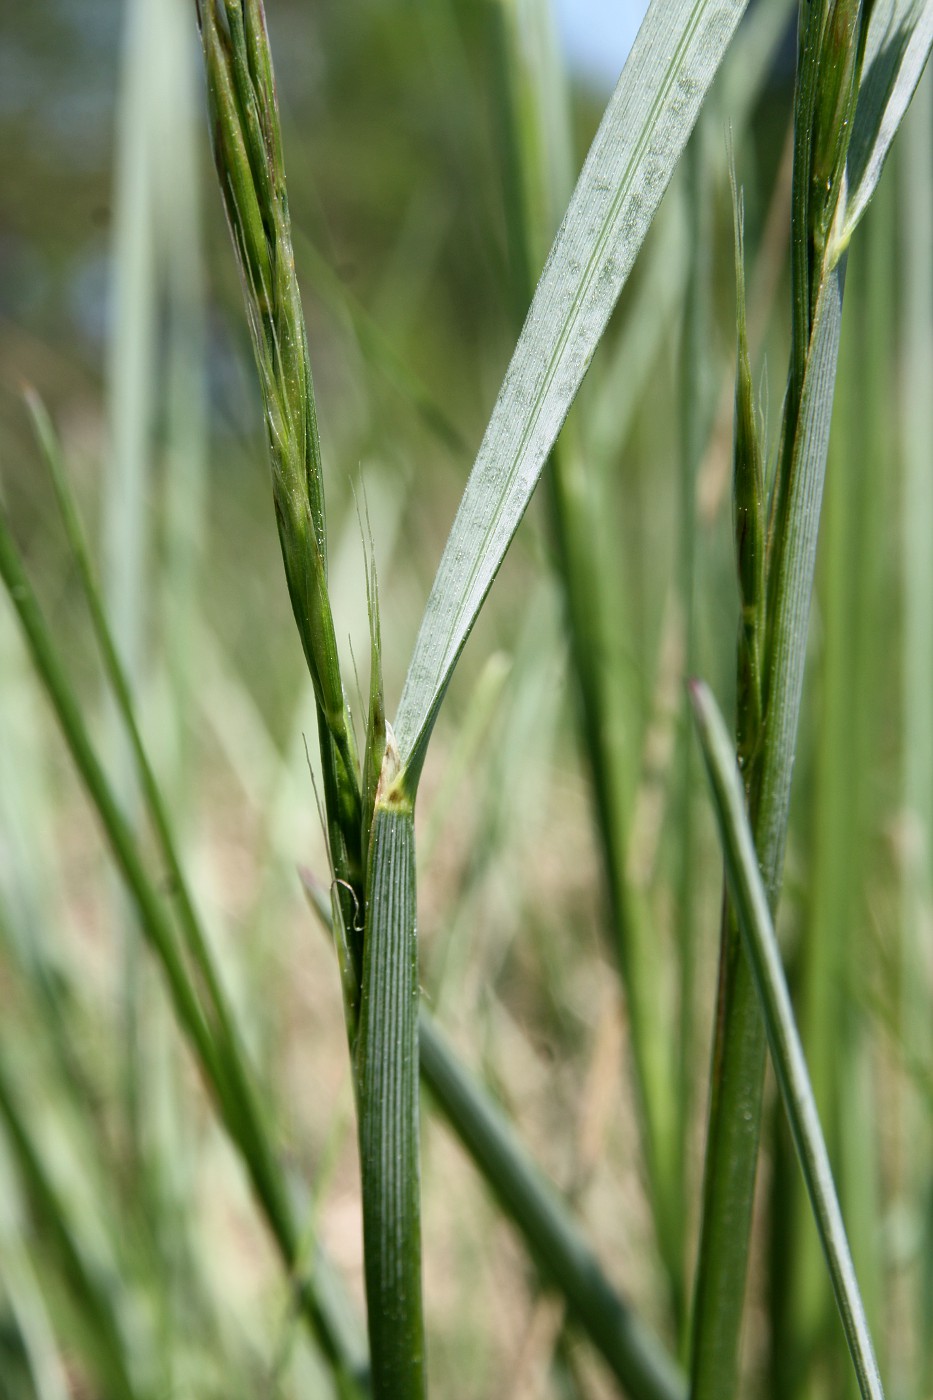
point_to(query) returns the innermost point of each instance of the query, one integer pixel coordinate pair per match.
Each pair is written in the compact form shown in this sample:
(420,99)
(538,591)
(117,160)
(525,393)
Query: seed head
(248,153)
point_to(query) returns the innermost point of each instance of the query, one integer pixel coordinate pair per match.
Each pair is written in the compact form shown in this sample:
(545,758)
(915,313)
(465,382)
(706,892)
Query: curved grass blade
(230,1050)
(828,69)
(738,1070)
(900,36)
(645,127)
(237,1109)
(111,1350)
(636,1358)
(751,903)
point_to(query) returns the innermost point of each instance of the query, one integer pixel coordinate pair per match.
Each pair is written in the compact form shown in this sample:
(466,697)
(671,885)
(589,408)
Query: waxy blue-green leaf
(900,36)
(751,903)
(652,112)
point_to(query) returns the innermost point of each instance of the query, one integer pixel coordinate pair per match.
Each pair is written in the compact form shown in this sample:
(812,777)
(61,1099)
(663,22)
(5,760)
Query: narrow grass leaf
(87,1288)
(231,1055)
(674,59)
(793,571)
(537,139)
(738,1071)
(900,36)
(637,1359)
(751,902)
(236,1108)
(29,1315)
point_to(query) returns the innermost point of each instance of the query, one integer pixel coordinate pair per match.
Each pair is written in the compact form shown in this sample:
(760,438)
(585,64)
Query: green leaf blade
(900,36)
(633,155)
(794,570)
(751,902)
(635,1356)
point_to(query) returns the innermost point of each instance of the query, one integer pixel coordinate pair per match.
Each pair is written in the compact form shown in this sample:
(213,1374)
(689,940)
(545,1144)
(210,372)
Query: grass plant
(629,639)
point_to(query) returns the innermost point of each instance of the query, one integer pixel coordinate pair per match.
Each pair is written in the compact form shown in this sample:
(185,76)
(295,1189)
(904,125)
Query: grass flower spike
(248,153)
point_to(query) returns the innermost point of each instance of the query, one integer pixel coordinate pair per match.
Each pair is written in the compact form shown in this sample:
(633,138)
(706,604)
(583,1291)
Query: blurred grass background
(119,303)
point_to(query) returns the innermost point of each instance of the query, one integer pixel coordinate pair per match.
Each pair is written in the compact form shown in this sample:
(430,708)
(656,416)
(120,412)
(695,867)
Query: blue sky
(598,35)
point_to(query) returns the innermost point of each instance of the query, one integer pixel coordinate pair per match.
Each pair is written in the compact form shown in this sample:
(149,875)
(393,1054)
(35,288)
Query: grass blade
(825,96)
(212,1054)
(376,915)
(129,468)
(643,132)
(751,902)
(111,1350)
(735,1112)
(794,569)
(536,135)
(915,226)
(900,35)
(637,1359)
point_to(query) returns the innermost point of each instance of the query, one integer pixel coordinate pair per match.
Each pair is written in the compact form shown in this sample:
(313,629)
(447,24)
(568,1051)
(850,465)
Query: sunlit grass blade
(537,140)
(131,374)
(900,36)
(751,902)
(636,1358)
(186,369)
(643,132)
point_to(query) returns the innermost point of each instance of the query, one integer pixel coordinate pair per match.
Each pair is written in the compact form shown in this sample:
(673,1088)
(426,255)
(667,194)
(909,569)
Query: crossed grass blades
(857,67)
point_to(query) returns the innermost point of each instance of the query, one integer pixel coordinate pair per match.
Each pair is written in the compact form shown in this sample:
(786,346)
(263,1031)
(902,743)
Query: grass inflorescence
(649,582)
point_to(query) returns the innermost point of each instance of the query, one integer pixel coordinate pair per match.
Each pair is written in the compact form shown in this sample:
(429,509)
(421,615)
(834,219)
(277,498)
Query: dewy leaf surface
(900,36)
(645,127)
